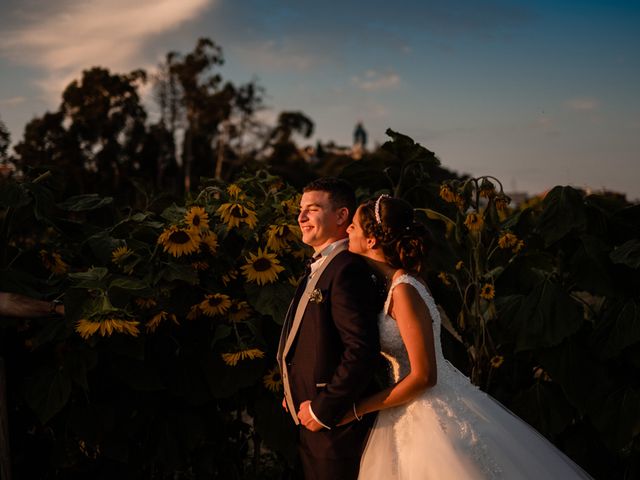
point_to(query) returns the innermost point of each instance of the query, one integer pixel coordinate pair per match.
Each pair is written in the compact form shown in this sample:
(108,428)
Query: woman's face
(358,242)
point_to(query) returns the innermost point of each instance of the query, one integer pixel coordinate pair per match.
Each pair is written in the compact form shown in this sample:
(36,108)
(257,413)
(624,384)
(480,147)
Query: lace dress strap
(414,282)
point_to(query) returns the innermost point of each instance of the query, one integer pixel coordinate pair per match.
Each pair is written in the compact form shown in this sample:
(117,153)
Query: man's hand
(304,415)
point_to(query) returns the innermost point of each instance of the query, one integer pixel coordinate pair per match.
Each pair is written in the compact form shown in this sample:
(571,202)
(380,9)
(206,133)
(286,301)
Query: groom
(329,343)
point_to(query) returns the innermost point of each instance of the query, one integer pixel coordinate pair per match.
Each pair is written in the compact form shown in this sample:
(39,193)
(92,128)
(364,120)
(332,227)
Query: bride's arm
(414,322)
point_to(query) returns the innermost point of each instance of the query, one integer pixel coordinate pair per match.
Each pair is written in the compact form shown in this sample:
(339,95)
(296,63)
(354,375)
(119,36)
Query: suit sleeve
(354,311)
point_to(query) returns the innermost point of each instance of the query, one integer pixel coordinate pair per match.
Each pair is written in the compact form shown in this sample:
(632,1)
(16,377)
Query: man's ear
(343,216)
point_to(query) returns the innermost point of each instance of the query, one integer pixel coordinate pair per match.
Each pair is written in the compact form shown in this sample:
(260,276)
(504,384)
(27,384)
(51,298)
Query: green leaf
(222,332)
(48,391)
(83,203)
(224,380)
(545,317)
(176,272)
(563,213)
(620,329)
(94,273)
(102,245)
(544,407)
(618,417)
(128,283)
(271,299)
(174,213)
(590,266)
(627,254)
(13,195)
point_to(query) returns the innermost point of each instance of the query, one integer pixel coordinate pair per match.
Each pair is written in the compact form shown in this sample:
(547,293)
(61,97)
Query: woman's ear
(371,243)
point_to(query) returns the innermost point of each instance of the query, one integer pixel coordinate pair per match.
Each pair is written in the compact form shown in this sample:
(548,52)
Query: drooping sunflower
(228,277)
(200,265)
(496,361)
(262,267)
(145,303)
(235,213)
(106,326)
(487,291)
(273,380)
(474,222)
(232,358)
(460,265)
(197,219)
(235,192)
(501,202)
(179,241)
(158,318)
(279,236)
(487,189)
(210,240)
(507,240)
(291,206)
(194,312)
(519,246)
(215,304)
(447,194)
(444,278)
(53,262)
(238,311)
(120,254)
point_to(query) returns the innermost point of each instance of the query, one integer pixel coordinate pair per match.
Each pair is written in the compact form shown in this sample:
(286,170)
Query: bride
(433,422)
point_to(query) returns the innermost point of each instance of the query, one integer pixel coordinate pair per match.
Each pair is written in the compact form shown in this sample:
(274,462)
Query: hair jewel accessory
(376,210)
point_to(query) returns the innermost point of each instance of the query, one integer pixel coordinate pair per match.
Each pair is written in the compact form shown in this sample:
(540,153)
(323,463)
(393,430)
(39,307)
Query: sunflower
(197,219)
(235,191)
(200,265)
(232,358)
(179,241)
(460,265)
(474,222)
(487,291)
(210,240)
(53,262)
(291,206)
(234,213)
(279,236)
(194,312)
(507,240)
(273,380)
(158,318)
(501,202)
(262,268)
(447,194)
(229,276)
(487,189)
(238,311)
(215,304)
(496,361)
(106,326)
(444,278)
(120,254)
(519,246)
(293,281)
(145,303)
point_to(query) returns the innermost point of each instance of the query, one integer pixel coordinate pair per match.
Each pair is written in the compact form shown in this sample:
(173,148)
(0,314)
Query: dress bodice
(391,344)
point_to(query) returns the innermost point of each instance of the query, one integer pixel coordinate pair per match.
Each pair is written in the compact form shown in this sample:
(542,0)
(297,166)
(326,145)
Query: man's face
(319,222)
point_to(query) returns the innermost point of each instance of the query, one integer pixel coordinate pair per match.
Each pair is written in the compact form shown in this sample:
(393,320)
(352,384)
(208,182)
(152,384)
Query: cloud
(78,35)
(277,55)
(373,81)
(582,104)
(12,102)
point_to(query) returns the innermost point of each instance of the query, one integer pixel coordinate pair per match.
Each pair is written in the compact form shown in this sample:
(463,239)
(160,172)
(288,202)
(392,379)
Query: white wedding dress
(453,430)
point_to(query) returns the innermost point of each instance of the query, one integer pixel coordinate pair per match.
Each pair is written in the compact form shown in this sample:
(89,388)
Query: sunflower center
(262,265)
(238,211)
(179,237)
(196,220)
(276,377)
(215,301)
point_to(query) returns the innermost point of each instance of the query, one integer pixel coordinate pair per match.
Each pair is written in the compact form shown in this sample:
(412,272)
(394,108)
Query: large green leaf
(590,266)
(176,272)
(619,329)
(544,406)
(48,391)
(545,317)
(563,213)
(271,299)
(627,254)
(83,203)
(13,195)
(225,380)
(617,416)
(102,245)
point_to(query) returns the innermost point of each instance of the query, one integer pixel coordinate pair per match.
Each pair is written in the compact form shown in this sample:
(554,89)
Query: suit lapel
(304,300)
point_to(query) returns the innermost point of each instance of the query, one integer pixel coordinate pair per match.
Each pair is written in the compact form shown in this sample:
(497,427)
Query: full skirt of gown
(453,430)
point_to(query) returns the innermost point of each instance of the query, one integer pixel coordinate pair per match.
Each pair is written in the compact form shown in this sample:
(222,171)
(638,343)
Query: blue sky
(536,93)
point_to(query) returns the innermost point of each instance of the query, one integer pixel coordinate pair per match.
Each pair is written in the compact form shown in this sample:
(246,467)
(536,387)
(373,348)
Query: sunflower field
(163,366)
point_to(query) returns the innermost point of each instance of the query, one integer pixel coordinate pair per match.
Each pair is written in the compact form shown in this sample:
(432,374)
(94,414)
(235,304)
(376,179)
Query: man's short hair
(341,194)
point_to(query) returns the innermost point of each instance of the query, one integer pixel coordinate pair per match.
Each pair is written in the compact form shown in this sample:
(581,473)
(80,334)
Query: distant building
(359,142)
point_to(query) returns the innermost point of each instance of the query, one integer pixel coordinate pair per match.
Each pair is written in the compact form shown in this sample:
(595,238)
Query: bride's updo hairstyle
(390,221)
